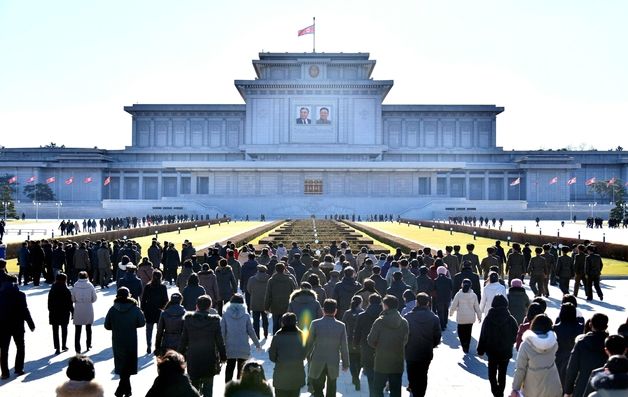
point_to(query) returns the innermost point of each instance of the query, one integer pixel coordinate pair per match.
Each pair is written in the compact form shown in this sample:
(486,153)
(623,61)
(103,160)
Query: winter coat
(363,325)
(515,265)
(321,295)
(277,298)
(330,285)
(486,265)
(490,292)
(256,287)
(566,334)
(59,304)
(365,273)
(380,284)
(123,319)
(190,295)
(154,255)
(475,262)
(171,258)
(397,288)
(349,318)
(133,283)
(475,282)
(154,299)
(499,332)
(178,385)
(453,266)
(236,268)
(104,258)
(208,280)
(564,267)
(425,284)
(538,267)
(249,269)
(145,273)
(443,288)
(170,327)
(343,292)
(467,307)
(80,388)
(287,352)
(593,265)
(587,355)
(202,344)
(327,337)
(83,296)
(227,285)
(236,388)
(409,279)
(81,259)
(304,304)
(535,373)
(424,334)
(183,277)
(322,279)
(518,302)
(388,337)
(13,310)
(236,330)
(610,385)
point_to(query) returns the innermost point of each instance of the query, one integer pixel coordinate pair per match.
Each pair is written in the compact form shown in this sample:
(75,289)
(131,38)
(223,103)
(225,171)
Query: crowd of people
(376,315)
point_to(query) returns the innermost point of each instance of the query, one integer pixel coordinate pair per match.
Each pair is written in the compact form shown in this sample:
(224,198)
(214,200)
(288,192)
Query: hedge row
(388,239)
(244,238)
(13,248)
(606,250)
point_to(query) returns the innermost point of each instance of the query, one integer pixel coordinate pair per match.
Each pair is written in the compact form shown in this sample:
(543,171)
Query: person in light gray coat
(256,286)
(236,330)
(327,341)
(83,296)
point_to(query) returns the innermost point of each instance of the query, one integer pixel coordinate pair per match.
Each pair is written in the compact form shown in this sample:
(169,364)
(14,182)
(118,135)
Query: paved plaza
(451,371)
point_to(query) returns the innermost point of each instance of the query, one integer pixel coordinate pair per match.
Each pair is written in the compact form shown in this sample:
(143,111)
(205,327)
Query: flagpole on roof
(314,35)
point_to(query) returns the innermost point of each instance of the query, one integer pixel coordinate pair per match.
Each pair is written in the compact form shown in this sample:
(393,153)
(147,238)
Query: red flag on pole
(590,181)
(52,179)
(553,180)
(31,179)
(572,181)
(611,182)
(12,179)
(308,30)
(107,181)
(69,181)
(88,180)
(515,182)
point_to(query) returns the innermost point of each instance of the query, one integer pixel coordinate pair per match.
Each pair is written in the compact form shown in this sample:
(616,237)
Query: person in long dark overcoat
(60,307)
(287,352)
(170,325)
(122,320)
(363,325)
(171,379)
(154,299)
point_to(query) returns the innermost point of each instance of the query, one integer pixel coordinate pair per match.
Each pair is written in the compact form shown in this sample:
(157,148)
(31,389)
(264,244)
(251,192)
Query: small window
(313,186)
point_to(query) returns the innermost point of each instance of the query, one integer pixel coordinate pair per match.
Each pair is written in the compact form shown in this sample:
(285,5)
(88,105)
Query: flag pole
(314,35)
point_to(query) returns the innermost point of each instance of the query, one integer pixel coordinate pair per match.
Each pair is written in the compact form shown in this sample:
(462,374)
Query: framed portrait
(323,115)
(303,115)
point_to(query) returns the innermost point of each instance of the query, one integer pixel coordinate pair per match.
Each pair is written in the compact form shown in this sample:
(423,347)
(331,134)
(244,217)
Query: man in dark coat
(424,336)
(122,320)
(398,287)
(131,282)
(473,258)
(579,260)
(249,269)
(203,346)
(499,331)
(298,266)
(424,282)
(171,263)
(593,269)
(473,277)
(277,299)
(538,271)
(363,326)
(515,265)
(380,283)
(155,254)
(344,291)
(587,355)
(564,270)
(13,312)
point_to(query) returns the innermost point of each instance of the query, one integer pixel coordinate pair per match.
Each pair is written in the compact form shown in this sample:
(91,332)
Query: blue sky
(558,67)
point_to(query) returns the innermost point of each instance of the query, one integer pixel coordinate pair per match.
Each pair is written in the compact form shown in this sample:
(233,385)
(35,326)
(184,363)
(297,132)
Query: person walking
(566,329)
(154,299)
(144,271)
(538,271)
(593,269)
(516,264)
(83,296)
(388,337)
(208,280)
(277,299)
(349,318)
(103,254)
(363,325)
(565,270)
(288,352)
(493,289)
(252,384)
(202,345)
(122,320)
(256,287)
(423,336)
(468,273)
(443,288)
(60,308)
(236,330)
(13,312)
(535,372)
(327,341)
(227,284)
(498,335)
(467,309)
(249,269)
(170,325)
(518,300)
(171,379)
(191,292)
(344,291)
(131,282)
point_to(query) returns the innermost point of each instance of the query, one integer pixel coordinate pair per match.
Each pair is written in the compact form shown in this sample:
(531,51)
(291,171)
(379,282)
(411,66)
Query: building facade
(314,137)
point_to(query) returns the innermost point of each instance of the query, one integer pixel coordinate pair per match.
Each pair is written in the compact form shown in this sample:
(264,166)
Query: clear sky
(559,67)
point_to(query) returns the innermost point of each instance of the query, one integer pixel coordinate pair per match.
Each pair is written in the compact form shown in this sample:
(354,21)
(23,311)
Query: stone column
(178,184)
(486,186)
(140,178)
(448,188)
(506,185)
(121,185)
(466,185)
(159,185)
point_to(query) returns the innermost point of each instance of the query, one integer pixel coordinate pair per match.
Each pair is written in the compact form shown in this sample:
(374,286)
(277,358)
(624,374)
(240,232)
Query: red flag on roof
(308,30)
(52,179)
(12,179)
(572,181)
(515,182)
(69,181)
(107,181)
(611,182)
(88,180)
(553,180)
(31,179)
(590,181)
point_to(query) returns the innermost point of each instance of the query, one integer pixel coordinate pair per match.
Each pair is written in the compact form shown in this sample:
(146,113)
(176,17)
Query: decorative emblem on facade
(314,71)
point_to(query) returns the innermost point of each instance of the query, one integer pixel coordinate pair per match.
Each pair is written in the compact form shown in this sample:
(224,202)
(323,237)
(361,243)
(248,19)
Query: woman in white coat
(536,374)
(83,296)
(493,289)
(466,305)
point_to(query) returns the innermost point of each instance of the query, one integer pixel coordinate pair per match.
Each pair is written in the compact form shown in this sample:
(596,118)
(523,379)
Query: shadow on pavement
(473,365)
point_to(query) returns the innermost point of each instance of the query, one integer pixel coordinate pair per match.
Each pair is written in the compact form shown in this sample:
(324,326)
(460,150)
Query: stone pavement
(451,372)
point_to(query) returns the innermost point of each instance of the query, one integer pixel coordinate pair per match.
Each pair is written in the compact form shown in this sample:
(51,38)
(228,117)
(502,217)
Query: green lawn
(438,239)
(202,237)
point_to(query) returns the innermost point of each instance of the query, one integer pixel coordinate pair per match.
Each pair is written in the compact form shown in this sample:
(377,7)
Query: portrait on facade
(323,115)
(303,115)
